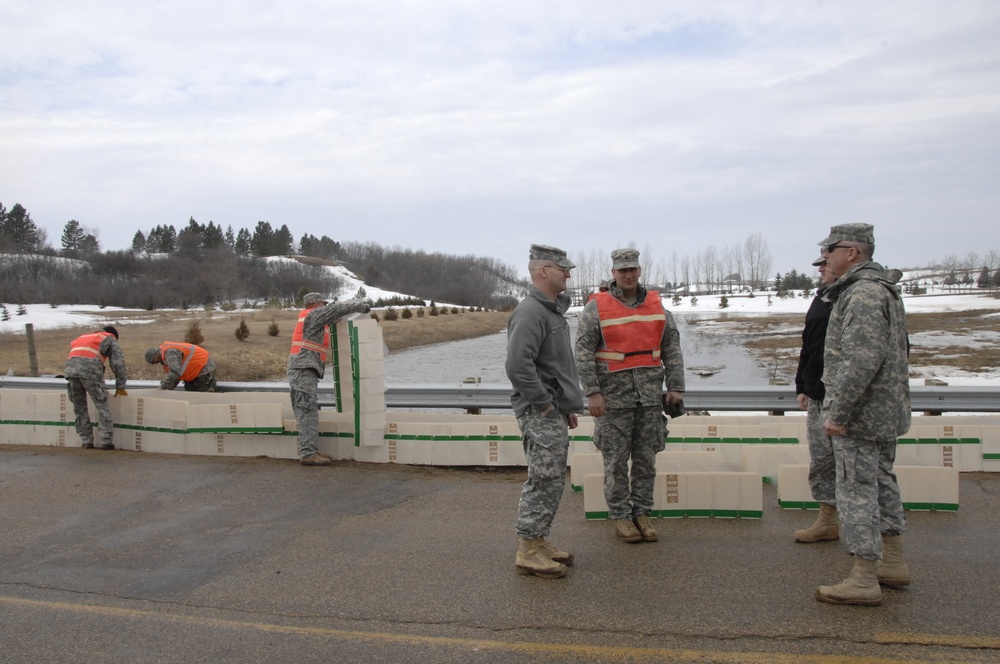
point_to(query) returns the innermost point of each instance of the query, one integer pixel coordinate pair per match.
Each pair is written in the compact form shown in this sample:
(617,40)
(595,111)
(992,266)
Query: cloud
(480,127)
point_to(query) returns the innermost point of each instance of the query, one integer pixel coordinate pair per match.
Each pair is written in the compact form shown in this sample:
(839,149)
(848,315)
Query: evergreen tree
(263,239)
(138,242)
(18,233)
(72,237)
(984,278)
(230,237)
(243,242)
(283,241)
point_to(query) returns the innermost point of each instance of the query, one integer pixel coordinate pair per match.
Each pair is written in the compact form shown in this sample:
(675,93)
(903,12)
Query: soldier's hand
(803,401)
(595,404)
(121,393)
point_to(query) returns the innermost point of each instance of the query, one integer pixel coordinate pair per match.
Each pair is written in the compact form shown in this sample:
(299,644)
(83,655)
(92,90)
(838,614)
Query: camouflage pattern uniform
(541,369)
(866,374)
(305,369)
(173,360)
(633,425)
(85,375)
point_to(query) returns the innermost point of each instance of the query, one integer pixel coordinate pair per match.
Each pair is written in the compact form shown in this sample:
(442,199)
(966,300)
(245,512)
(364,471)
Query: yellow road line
(591,652)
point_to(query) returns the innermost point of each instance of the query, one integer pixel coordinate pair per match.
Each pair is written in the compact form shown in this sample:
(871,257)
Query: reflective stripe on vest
(195,359)
(88,345)
(298,343)
(632,336)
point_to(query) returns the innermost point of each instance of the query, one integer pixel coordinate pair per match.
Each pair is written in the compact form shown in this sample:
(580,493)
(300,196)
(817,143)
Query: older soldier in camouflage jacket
(307,364)
(626,343)
(866,407)
(85,375)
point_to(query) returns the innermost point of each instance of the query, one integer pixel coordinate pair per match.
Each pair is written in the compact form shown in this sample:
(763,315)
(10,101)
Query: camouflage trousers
(822,468)
(201,383)
(302,384)
(868,500)
(546,447)
(630,433)
(79,388)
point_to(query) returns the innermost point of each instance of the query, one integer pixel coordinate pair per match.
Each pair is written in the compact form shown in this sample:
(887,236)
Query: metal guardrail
(476,396)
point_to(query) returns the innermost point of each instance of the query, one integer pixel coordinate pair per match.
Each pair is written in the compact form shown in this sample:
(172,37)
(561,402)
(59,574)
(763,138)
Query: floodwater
(720,357)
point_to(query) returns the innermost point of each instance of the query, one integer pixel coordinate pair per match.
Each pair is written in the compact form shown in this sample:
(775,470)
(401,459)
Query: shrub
(193,334)
(723,302)
(242,331)
(272,329)
(228,306)
(434,310)
(420,313)
(455,310)
(676,299)
(443,311)
(390,314)
(407,314)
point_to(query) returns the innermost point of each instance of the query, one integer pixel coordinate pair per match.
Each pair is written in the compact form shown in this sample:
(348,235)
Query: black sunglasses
(830,248)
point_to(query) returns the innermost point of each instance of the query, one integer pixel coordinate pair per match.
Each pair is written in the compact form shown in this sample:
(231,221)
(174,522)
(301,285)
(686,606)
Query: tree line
(206,264)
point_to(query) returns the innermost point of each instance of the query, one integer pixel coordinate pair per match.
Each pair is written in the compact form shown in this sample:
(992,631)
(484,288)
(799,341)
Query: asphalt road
(133,557)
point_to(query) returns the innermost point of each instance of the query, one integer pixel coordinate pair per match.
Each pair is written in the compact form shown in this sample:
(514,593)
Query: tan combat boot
(860,588)
(315,460)
(892,570)
(646,530)
(626,531)
(824,529)
(554,553)
(532,560)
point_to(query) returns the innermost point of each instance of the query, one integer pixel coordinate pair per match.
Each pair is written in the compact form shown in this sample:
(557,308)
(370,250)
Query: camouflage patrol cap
(622,259)
(819,261)
(152,355)
(541,252)
(864,233)
(313,298)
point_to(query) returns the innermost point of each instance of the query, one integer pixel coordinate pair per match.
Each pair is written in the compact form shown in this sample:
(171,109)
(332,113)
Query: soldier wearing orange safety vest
(184,362)
(85,375)
(306,366)
(626,345)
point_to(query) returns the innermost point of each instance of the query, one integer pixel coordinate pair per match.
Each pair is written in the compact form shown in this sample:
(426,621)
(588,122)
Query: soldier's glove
(673,410)
(121,393)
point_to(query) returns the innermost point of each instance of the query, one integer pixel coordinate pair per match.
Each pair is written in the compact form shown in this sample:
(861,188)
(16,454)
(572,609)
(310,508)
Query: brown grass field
(260,358)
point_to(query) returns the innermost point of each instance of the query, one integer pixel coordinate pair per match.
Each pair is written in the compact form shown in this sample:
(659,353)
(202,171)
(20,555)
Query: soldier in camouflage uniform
(626,344)
(85,375)
(546,400)
(307,363)
(866,407)
(809,393)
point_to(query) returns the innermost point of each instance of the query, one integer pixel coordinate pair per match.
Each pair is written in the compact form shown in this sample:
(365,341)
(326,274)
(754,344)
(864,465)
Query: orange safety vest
(88,345)
(298,343)
(632,337)
(195,359)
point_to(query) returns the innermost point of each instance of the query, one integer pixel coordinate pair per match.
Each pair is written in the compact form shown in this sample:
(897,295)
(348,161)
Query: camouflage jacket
(866,371)
(630,387)
(312,330)
(91,368)
(173,363)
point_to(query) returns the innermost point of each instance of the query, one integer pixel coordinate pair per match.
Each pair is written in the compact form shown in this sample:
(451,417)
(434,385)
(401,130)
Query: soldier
(866,407)
(626,343)
(546,401)
(809,393)
(306,366)
(184,362)
(85,375)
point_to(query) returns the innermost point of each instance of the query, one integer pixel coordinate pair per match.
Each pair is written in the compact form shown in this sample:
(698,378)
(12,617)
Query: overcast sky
(479,127)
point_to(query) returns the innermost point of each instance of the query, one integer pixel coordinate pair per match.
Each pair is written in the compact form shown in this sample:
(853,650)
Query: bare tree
(757,259)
